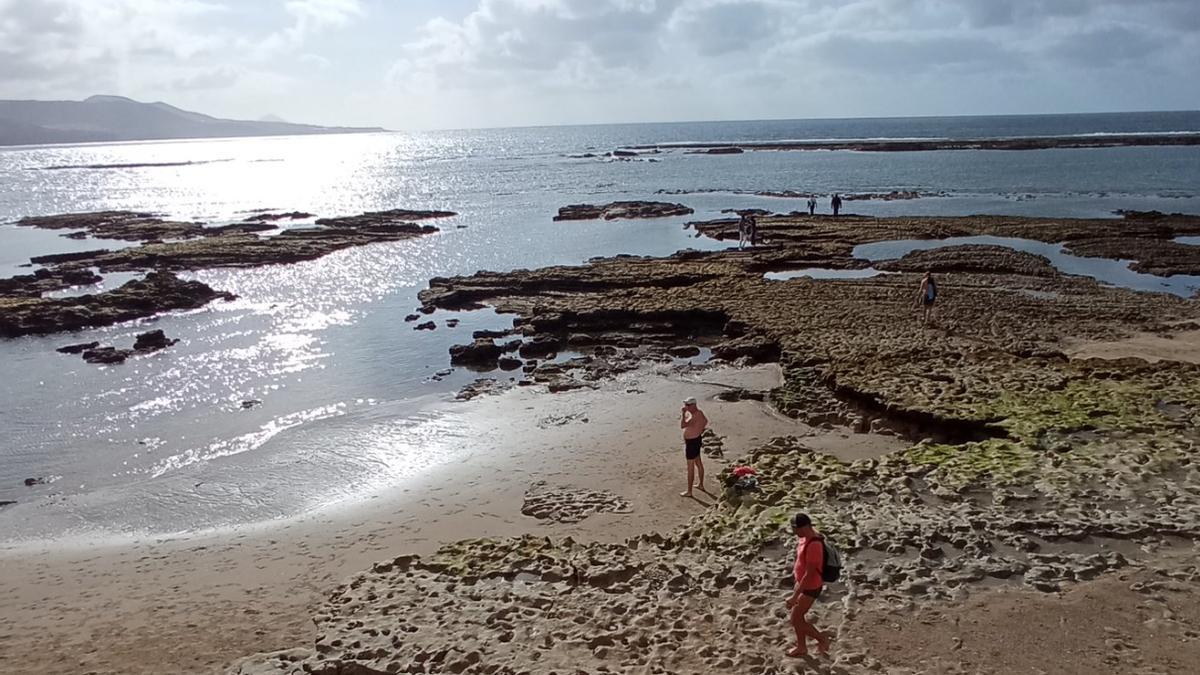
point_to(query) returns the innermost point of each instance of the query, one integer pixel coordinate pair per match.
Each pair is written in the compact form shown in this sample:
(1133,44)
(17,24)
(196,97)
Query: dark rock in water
(451,323)
(756,348)
(77,349)
(291,215)
(30,482)
(426,310)
(684,352)
(124,225)
(428,325)
(107,355)
(734,395)
(251,403)
(509,363)
(46,280)
(158,292)
(622,153)
(7,503)
(481,352)
(540,346)
(490,334)
(152,341)
(724,151)
(412,317)
(384,218)
(617,210)
(57,258)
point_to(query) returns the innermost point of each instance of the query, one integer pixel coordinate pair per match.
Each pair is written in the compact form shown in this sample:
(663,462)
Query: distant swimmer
(693,422)
(836,203)
(926,296)
(812,205)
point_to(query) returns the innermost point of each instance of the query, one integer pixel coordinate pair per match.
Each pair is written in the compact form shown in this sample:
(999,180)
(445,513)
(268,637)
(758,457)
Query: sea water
(350,396)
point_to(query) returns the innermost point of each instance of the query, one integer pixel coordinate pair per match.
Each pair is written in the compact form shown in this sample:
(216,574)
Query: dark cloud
(727,27)
(886,54)
(1107,46)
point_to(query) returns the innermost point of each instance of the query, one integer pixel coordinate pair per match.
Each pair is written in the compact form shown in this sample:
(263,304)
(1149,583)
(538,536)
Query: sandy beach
(196,603)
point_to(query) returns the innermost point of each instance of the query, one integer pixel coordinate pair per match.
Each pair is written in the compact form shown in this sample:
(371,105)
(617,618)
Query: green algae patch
(998,461)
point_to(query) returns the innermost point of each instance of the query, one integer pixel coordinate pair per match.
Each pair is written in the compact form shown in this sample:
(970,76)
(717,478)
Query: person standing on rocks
(743,230)
(836,203)
(808,573)
(926,296)
(693,422)
(752,230)
(812,205)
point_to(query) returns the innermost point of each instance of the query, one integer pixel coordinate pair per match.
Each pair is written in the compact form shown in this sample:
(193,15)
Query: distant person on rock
(812,205)
(835,203)
(743,230)
(752,229)
(809,576)
(926,296)
(693,422)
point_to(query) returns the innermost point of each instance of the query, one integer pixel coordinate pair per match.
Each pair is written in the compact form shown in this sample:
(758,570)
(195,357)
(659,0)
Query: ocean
(350,403)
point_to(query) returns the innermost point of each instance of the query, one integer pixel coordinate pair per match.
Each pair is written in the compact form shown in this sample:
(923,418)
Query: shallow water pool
(1112,272)
(824,273)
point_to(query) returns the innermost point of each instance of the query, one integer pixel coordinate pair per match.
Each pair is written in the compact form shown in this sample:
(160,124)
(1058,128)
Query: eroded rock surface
(173,246)
(616,210)
(1025,470)
(158,292)
(567,504)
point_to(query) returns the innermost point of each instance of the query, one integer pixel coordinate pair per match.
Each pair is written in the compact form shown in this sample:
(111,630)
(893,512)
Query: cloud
(547,42)
(220,77)
(531,50)
(309,18)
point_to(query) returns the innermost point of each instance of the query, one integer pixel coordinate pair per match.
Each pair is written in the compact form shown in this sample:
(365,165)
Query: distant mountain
(116,118)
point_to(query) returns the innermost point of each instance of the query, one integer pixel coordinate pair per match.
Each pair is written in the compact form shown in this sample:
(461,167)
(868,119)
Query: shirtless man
(693,422)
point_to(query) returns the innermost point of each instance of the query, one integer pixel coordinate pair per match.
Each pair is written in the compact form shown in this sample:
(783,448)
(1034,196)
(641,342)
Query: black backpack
(831,568)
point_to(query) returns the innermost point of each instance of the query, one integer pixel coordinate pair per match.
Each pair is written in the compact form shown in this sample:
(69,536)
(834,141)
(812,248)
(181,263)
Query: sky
(438,64)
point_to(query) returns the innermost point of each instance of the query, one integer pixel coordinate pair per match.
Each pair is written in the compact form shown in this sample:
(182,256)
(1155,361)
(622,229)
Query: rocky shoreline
(1025,468)
(622,210)
(170,246)
(923,145)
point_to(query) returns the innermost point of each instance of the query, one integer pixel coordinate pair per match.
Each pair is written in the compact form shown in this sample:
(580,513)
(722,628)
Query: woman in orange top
(810,563)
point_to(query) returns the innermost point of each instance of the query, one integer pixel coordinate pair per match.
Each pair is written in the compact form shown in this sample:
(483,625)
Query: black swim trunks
(815,593)
(691,448)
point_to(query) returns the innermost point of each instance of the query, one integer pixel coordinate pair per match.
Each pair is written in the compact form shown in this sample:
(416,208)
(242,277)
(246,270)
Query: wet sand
(196,603)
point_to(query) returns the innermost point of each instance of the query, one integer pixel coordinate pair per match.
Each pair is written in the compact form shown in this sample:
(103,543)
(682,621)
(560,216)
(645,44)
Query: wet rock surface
(169,246)
(616,210)
(145,343)
(158,292)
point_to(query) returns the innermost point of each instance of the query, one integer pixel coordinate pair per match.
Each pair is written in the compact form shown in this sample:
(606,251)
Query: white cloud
(309,18)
